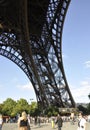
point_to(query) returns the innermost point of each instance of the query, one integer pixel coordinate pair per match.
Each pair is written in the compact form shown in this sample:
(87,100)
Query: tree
(88,108)
(83,109)
(89,96)
(34,111)
(1,106)
(22,105)
(51,111)
(8,106)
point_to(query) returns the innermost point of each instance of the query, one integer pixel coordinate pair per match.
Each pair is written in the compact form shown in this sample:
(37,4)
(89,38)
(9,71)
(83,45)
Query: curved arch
(14,58)
(39,52)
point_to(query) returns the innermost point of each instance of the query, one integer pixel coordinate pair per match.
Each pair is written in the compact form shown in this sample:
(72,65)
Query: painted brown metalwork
(31,37)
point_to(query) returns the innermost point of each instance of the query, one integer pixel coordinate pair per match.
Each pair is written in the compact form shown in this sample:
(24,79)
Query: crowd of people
(24,121)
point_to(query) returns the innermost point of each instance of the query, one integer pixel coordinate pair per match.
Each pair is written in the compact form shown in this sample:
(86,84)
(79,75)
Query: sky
(76,59)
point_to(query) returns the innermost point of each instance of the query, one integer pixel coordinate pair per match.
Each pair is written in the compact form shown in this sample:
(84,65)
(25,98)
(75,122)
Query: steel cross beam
(31,37)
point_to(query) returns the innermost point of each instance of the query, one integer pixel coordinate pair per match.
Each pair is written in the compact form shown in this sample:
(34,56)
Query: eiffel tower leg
(32,39)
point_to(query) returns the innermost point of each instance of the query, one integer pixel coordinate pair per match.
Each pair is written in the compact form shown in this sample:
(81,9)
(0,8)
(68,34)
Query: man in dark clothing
(59,122)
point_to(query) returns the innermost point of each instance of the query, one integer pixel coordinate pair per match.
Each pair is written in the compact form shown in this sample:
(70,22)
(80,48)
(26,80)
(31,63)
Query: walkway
(66,126)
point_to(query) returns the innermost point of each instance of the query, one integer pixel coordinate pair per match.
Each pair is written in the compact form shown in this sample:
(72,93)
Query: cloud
(87,64)
(84,83)
(80,94)
(26,86)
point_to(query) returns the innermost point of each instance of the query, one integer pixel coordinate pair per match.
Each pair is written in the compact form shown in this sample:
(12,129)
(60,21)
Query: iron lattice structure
(31,37)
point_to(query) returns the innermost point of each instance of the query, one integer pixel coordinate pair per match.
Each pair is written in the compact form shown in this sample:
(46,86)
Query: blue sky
(76,49)
(76,58)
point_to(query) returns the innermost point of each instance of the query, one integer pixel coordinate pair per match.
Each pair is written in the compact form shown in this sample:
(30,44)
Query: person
(72,118)
(39,121)
(59,122)
(81,122)
(53,124)
(23,123)
(1,121)
(29,120)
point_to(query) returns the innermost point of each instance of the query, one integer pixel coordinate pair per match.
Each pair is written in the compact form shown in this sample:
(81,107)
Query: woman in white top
(81,122)
(1,121)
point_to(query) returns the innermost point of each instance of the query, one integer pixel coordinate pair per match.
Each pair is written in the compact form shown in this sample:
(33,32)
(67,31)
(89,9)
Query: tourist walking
(53,123)
(59,122)
(72,118)
(1,121)
(23,123)
(81,122)
(39,121)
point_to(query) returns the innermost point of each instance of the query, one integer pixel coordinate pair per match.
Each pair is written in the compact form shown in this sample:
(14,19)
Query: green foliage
(11,108)
(34,109)
(8,106)
(89,96)
(51,111)
(1,106)
(88,108)
(83,109)
(22,105)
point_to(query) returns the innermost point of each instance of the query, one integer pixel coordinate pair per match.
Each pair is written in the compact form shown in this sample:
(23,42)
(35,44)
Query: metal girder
(33,40)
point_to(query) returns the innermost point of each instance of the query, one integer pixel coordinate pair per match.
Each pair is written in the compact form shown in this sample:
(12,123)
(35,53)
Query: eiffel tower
(31,37)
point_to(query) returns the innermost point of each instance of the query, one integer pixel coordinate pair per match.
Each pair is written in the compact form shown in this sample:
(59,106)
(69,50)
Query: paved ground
(66,126)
